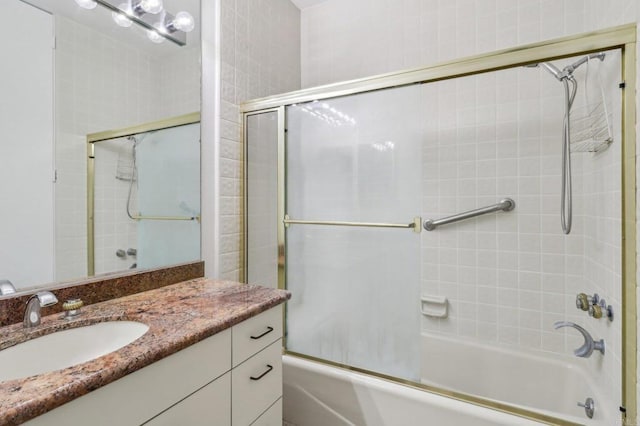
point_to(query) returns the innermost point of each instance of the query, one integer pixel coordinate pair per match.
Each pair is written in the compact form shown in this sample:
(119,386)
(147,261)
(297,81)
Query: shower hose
(566,195)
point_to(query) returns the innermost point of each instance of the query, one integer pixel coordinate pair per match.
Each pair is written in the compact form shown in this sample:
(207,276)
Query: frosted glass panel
(355,290)
(262,198)
(168,164)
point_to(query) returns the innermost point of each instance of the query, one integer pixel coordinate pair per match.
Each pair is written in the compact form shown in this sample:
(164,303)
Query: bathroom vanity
(212,355)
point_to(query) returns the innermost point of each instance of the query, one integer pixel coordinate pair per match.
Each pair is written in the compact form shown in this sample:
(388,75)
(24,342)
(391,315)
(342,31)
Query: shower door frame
(621,37)
(92,138)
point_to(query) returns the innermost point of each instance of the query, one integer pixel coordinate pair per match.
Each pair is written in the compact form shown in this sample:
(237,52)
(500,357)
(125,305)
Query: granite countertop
(178,316)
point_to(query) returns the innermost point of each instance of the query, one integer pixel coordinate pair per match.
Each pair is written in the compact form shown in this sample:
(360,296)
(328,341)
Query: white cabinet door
(256,384)
(210,406)
(255,334)
(271,417)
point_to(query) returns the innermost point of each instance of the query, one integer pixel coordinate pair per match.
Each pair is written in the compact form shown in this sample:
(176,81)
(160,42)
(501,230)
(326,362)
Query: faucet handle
(582,301)
(71,308)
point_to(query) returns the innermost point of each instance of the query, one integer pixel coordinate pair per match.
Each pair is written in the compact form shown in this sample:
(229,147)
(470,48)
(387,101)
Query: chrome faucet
(6,288)
(589,345)
(35,302)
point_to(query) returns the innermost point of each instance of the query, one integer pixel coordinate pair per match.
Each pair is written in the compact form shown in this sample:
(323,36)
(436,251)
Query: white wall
(26,147)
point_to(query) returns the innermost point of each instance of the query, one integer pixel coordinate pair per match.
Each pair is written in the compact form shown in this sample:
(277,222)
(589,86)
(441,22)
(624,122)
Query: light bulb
(87,4)
(154,36)
(151,6)
(183,21)
(121,18)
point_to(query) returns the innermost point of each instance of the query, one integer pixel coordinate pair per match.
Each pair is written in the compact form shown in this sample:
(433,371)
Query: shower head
(571,68)
(566,72)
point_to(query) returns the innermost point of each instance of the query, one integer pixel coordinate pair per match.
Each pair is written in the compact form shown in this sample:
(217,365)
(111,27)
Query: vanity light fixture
(147,6)
(122,18)
(149,14)
(87,4)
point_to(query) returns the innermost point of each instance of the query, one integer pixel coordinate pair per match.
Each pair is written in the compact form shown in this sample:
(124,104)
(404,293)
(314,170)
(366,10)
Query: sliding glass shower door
(482,304)
(353,256)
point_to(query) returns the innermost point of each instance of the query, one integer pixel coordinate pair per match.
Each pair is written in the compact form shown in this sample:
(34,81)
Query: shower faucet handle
(597,310)
(582,301)
(595,305)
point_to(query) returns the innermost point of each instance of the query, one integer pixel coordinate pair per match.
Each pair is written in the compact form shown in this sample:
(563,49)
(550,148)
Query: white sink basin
(66,348)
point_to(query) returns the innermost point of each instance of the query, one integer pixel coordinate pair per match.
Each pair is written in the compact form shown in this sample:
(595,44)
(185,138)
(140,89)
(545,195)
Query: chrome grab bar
(415,225)
(506,204)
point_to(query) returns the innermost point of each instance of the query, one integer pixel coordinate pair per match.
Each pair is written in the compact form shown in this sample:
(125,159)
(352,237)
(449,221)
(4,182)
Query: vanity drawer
(256,384)
(209,406)
(271,417)
(256,333)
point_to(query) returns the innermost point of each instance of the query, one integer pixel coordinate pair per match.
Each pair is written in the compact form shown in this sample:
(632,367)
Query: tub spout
(589,345)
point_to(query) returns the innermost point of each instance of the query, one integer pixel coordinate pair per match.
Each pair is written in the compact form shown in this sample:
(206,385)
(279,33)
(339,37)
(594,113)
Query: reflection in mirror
(144,197)
(70,72)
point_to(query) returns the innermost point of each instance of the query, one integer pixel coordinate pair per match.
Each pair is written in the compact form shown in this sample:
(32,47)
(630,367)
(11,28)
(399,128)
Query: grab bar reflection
(166,218)
(506,204)
(415,225)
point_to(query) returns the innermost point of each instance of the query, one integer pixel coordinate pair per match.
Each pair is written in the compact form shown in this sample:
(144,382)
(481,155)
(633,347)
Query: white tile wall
(103,84)
(346,40)
(113,228)
(509,277)
(179,78)
(260,56)
(600,15)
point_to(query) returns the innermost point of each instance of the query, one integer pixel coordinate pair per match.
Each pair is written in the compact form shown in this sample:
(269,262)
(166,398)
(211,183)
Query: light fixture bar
(148,20)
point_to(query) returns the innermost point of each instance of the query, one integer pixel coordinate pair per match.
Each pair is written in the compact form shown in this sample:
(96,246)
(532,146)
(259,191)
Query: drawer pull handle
(269,330)
(269,368)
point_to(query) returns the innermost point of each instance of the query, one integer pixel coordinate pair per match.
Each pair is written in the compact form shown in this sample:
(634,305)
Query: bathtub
(537,382)
(319,395)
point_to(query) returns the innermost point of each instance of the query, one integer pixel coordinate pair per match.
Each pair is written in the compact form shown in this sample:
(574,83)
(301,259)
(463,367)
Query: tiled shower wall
(601,15)
(114,230)
(260,56)
(508,277)
(347,40)
(104,84)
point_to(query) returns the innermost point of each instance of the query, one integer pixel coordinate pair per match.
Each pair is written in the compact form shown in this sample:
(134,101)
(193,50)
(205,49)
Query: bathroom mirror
(71,72)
